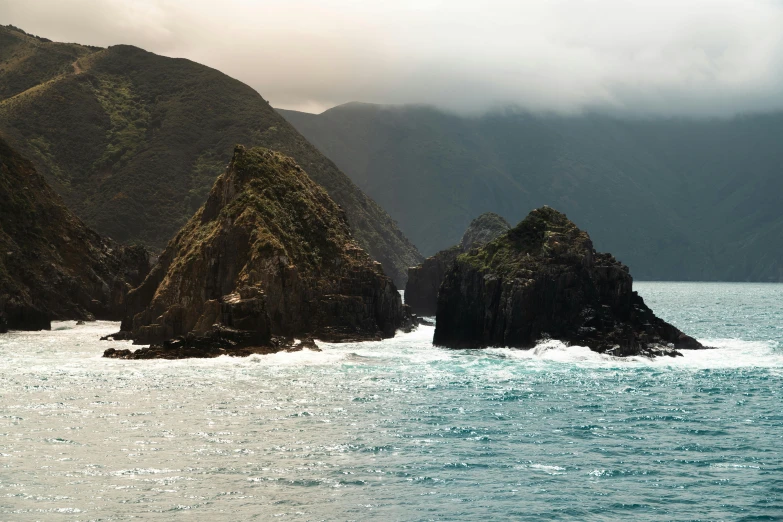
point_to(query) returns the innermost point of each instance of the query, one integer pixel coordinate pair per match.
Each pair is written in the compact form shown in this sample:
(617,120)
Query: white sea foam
(551,470)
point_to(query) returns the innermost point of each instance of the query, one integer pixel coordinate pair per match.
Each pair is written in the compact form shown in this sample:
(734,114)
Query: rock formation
(51,265)
(421,290)
(269,253)
(543,279)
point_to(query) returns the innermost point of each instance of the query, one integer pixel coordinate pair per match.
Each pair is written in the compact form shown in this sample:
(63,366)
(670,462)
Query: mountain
(133,141)
(51,265)
(543,279)
(269,253)
(674,199)
(421,290)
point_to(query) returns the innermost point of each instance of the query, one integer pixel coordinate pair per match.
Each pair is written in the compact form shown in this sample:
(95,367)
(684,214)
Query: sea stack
(543,279)
(421,290)
(52,266)
(269,254)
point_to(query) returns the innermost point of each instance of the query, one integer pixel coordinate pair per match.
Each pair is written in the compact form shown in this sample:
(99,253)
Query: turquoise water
(398,430)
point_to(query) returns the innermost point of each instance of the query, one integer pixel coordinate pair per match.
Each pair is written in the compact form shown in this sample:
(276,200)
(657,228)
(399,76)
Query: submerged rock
(51,265)
(421,290)
(268,253)
(543,279)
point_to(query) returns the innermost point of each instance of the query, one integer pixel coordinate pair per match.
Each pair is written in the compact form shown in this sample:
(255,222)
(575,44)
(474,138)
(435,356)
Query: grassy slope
(673,199)
(134,141)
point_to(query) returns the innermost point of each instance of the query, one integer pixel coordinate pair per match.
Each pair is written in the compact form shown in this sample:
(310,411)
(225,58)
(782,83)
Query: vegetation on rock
(133,141)
(268,253)
(543,279)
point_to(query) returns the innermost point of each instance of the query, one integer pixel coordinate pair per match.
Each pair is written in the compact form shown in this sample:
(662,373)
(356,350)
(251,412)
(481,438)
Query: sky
(699,58)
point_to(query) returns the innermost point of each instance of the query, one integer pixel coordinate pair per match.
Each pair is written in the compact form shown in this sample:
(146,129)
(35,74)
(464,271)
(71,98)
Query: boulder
(543,279)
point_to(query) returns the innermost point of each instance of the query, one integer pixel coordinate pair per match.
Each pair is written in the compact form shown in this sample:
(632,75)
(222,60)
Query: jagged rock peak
(269,252)
(421,290)
(544,279)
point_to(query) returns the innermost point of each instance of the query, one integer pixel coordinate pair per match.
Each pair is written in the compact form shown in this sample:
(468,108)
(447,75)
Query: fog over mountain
(633,57)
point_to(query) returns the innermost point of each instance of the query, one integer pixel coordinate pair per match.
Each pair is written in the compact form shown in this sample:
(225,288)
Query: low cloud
(690,58)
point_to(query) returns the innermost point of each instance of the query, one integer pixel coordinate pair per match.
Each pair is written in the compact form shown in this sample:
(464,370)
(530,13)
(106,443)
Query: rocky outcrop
(421,290)
(268,253)
(51,265)
(543,279)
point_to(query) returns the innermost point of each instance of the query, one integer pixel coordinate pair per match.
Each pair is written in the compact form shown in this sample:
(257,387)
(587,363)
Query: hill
(134,141)
(51,265)
(674,199)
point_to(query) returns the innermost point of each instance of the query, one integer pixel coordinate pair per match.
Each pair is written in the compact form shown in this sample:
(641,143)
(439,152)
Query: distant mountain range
(133,142)
(675,199)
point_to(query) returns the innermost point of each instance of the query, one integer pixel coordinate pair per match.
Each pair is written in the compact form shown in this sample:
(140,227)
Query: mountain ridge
(133,141)
(676,199)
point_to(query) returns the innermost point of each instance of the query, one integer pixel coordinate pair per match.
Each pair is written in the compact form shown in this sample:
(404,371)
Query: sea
(401,430)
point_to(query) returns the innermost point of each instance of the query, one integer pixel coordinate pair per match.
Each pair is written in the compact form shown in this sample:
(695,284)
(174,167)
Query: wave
(414,348)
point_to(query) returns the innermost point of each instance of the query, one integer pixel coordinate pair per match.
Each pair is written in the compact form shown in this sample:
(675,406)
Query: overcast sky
(681,57)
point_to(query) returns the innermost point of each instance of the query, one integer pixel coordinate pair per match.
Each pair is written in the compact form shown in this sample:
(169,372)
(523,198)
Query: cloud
(693,58)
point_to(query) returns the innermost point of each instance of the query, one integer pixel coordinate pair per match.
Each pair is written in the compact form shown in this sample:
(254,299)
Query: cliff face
(270,253)
(133,141)
(51,265)
(421,290)
(544,279)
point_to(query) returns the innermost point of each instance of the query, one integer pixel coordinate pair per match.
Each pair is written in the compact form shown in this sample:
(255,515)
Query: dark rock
(219,340)
(421,290)
(17,313)
(51,265)
(544,279)
(308,344)
(269,253)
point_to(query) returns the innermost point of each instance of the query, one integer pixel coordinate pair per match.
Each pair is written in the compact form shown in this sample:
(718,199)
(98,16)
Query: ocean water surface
(399,430)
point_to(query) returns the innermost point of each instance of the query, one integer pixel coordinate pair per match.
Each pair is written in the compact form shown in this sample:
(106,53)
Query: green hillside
(133,141)
(673,199)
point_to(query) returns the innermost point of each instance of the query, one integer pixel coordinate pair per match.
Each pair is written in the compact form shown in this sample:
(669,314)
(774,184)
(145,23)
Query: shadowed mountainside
(675,199)
(133,141)
(51,265)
